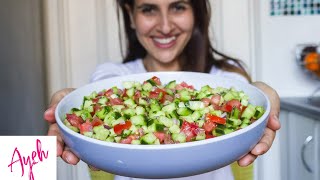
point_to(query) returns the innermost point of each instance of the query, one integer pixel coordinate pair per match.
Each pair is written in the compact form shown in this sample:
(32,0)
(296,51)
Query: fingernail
(68,159)
(47,111)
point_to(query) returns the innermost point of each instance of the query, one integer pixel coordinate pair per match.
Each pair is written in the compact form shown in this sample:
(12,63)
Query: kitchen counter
(303,106)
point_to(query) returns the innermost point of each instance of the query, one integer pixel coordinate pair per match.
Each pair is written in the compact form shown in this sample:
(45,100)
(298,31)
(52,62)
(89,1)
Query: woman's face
(163,27)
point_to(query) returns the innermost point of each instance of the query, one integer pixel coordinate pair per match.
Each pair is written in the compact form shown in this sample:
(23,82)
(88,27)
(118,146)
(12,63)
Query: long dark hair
(199,53)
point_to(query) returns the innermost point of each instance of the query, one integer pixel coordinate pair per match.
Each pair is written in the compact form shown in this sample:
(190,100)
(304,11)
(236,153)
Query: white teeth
(165,40)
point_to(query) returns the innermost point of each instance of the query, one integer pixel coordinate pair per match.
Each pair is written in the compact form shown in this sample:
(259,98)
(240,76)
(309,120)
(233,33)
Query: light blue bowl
(164,161)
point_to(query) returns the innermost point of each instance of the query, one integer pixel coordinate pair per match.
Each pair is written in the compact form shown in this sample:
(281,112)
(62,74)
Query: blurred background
(47,45)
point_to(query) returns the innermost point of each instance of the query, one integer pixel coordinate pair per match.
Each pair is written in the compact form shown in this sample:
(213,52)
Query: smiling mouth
(165,42)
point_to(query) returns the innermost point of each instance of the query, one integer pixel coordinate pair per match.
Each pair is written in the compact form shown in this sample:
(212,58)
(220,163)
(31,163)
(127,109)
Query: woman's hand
(62,150)
(270,132)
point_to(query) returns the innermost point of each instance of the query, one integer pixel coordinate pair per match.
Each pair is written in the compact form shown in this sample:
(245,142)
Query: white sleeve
(106,70)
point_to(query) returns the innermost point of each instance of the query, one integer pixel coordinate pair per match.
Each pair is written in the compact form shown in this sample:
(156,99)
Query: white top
(110,69)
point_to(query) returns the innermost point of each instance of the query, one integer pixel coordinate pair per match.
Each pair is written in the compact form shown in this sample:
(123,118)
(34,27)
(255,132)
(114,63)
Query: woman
(172,35)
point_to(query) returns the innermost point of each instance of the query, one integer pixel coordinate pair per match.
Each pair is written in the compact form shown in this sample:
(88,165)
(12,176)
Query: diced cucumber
(129,112)
(125,133)
(128,84)
(120,120)
(147,87)
(184,95)
(196,105)
(179,137)
(148,138)
(165,121)
(110,139)
(135,141)
(143,102)
(130,92)
(138,120)
(259,112)
(130,103)
(174,129)
(88,134)
(249,112)
(140,110)
(184,111)
(169,108)
(118,108)
(103,100)
(171,85)
(200,136)
(101,133)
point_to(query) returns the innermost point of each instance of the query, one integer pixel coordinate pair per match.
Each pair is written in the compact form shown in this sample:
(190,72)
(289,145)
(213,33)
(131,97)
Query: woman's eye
(147,9)
(179,7)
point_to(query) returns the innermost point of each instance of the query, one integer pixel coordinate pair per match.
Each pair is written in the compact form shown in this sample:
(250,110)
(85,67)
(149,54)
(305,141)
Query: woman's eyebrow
(180,1)
(146,5)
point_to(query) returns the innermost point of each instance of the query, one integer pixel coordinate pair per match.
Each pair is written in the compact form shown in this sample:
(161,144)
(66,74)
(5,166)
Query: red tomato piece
(116,101)
(120,127)
(215,99)
(156,80)
(189,129)
(185,85)
(85,127)
(160,136)
(208,126)
(96,122)
(109,92)
(215,119)
(206,101)
(231,104)
(74,120)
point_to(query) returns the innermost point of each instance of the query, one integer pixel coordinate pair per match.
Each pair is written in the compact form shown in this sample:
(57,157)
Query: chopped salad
(156,113)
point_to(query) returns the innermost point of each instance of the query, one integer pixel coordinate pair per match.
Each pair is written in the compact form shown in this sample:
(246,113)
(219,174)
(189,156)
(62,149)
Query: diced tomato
(206,101)
(208,126)
(120,127)
(95,100)
(124,94)
(127,140)
(96,122)
(215,119)
(168,98)
(215,99)
(158,94)
(156,80)
(96,108)
(189,129)
(137,95)
(160,136)
(74,120)
(179,87)
(109,92)
(116,101)
(231,104)
(209,135)
(85,127)
(185,85)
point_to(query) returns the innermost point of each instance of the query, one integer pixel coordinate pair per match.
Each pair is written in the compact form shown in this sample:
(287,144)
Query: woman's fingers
(56,98)
(69,157)
(265,143)
(247,160)
(62,150)
(54,131)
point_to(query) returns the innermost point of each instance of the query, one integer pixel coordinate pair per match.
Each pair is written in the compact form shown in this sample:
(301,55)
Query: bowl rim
(63,127)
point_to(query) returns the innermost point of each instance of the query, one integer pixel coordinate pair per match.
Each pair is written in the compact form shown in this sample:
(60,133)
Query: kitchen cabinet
(300,140)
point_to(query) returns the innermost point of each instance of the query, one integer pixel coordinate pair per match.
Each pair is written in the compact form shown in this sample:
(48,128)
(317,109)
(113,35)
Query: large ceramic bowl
(164,161)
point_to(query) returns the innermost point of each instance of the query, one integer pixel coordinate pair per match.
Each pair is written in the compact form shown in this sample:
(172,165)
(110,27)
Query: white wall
(278,37)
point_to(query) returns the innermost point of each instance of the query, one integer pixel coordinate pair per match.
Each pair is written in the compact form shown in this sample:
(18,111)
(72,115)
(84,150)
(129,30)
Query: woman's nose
(165,24)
